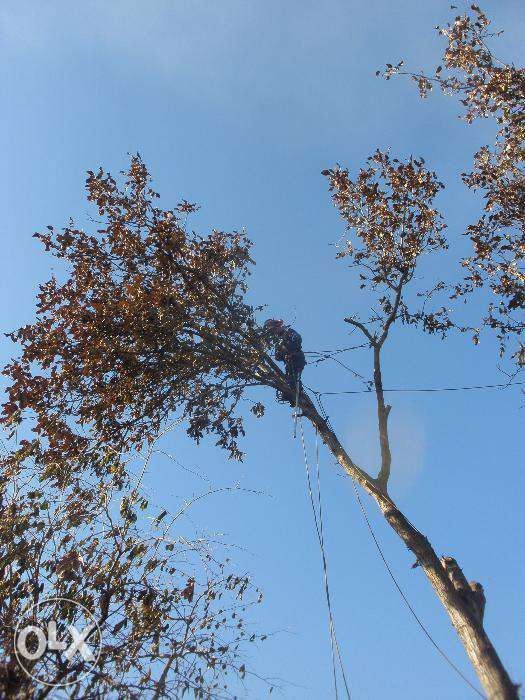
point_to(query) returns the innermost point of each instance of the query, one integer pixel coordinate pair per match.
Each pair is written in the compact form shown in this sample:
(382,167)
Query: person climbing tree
(288,349)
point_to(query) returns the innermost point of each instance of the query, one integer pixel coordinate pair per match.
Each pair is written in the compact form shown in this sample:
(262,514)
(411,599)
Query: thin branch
(393,314)
(362,328)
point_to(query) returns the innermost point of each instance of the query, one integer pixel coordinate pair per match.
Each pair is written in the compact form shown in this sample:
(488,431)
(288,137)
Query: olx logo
(79,643)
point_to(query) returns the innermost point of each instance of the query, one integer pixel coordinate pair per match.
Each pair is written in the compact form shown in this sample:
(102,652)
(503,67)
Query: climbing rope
(317,512)
(404,597)
(318,521)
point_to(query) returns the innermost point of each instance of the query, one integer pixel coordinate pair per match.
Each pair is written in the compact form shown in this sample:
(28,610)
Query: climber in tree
(287,349)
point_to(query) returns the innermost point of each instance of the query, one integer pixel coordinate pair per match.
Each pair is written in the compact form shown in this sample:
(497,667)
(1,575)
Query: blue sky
(239,105)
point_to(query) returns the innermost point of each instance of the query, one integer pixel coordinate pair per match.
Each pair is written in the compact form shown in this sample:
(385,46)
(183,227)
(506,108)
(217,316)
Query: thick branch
(383,412)
(365,480)
(464,609)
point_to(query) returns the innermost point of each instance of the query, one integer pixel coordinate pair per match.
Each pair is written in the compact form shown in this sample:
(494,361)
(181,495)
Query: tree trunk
(463,602)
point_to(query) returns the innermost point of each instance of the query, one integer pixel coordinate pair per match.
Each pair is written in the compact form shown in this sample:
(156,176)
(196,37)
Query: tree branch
(464,612)
(362,328)
(383,411)
(393,314)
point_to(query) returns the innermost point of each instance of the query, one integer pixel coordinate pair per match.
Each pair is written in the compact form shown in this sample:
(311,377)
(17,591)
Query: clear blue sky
(239,105)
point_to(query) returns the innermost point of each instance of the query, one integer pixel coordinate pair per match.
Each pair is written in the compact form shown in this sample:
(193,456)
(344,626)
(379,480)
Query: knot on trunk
(471,593)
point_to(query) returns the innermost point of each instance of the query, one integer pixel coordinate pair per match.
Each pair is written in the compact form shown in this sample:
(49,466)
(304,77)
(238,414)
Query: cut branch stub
(472,593)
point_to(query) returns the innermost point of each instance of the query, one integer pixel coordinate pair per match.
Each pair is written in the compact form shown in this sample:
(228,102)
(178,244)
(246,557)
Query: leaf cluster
(150,322)
(488,87)
(389,212)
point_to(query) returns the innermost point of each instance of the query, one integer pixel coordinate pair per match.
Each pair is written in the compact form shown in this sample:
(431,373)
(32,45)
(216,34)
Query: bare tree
(168,616)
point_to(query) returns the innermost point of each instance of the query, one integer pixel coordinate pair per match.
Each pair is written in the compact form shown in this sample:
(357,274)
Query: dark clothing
(288,343)
(295,364)
(293,340)
(288,350)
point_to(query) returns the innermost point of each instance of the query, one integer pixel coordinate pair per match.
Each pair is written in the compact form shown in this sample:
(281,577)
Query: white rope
(318,520)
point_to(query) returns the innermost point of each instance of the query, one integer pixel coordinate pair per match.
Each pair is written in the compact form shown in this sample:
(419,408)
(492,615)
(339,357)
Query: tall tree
(488,88)
(151,324)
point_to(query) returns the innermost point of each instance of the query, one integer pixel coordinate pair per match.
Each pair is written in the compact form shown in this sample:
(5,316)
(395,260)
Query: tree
(488,88)
(389,207)
(169,614)
(152,324)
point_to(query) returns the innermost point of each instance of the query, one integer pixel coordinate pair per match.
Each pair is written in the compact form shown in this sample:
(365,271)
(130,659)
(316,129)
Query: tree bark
(383,412)
(463,602)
